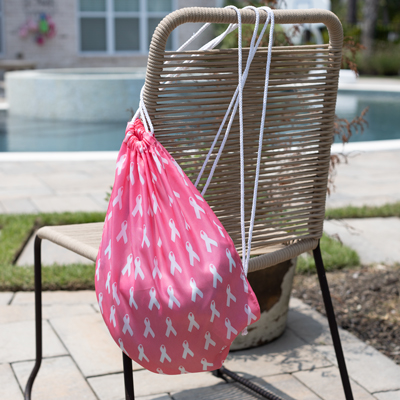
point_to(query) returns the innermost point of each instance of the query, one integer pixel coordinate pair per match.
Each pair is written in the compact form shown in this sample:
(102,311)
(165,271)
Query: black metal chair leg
(38,317)
(128,377)
(332,323)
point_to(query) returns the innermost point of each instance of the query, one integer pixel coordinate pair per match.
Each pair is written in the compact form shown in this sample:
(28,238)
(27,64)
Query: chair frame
(296,243)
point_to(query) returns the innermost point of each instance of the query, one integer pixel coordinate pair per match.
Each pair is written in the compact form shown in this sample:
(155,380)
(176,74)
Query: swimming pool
(29,135)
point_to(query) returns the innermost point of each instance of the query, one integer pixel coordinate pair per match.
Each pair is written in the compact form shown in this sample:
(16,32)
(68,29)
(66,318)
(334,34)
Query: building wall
(63,49)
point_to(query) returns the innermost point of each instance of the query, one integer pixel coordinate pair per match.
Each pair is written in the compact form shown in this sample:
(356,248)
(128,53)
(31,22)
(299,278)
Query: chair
(187,109)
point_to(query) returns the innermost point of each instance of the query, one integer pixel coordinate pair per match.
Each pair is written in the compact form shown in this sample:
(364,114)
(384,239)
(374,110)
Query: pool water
(19,134)
(383,115)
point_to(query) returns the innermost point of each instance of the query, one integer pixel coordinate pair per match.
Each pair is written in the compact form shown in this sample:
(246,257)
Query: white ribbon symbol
(132,301)
(154,178)
(164,160)
(100,301)
(206,364)
(98,270)
(121,345)
(187,226)
(140,175)
(195,290)
(127,326)
(109,215)
(141,353)
(231,260)
(128,264)
(156,270)
(216,275)
(174,231)
(131,178)
(176,194)
(230,329)
(155,203)
(150,211)
(199,197)
(186,350)
(183,371)
(172,298)
(208,241)
(145,238)
(148,328)
(153,300)
(159,243)
(208,340)
(115,294)
(250,315)
(171,200)
(174,264)
(160,371)
(108,282)
(180,171)
(123,234)
(196,207)
(229,296)
(170,328)
(245,285)
(118,198)
(138,270)
(219,228)
(120,164)
(138,206)
(157,161)
(112,316)
(164,354)
(108,250)
(192,323)
(192,254)
(214,311)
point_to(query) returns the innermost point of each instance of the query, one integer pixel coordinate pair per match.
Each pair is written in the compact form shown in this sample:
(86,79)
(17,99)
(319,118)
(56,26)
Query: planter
(272,287)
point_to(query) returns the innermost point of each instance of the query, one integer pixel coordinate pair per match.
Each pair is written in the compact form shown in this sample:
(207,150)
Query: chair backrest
(186,111)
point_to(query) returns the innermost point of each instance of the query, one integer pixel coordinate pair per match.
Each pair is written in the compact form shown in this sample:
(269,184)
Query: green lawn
(15,231)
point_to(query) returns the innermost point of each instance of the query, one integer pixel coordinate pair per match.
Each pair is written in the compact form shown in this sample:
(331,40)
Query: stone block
(90,344)
(5,297)
(57,297)
(9,386)
(388,395)
(287,387)
(147,383)
(17,341)
(26,312)
(367,366)
(58,378)
(51,254)
(285,355)
(70,203)
(22,205)
(326,383)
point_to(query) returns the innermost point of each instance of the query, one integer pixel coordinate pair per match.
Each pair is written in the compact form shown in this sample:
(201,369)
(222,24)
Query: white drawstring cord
(233,101)
(270,42)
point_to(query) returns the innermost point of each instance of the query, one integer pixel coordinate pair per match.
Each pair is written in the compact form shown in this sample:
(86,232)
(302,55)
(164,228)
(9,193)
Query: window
(120,26)
(1,27)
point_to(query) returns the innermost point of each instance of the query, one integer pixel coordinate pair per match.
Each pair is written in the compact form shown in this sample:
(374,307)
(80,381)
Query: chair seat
(84,239)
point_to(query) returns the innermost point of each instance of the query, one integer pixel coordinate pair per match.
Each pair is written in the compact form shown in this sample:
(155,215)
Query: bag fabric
(169,281)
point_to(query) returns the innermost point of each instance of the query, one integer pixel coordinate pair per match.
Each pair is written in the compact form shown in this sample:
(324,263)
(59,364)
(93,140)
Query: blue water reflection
(20,134)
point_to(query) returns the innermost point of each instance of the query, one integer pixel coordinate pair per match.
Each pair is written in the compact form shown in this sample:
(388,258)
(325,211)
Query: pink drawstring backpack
(169,282)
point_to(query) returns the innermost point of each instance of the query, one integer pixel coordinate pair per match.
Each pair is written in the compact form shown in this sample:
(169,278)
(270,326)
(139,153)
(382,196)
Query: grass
(335,255)
(387,210)
(15,230)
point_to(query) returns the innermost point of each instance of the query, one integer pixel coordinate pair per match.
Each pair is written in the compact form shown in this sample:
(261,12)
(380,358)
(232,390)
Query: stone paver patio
(82,362)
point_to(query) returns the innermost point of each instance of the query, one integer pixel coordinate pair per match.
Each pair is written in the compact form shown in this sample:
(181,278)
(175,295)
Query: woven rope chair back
(187,109)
